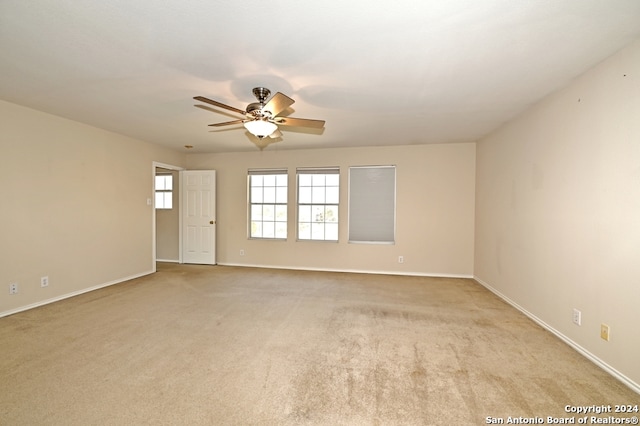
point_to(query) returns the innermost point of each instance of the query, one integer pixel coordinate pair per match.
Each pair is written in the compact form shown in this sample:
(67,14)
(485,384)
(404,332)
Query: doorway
(184,215)
(166,213)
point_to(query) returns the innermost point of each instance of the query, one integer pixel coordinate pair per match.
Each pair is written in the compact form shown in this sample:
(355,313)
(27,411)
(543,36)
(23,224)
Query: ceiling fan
(261,118)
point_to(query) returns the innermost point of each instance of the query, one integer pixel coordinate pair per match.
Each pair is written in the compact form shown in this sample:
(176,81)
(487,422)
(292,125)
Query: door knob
(212,222)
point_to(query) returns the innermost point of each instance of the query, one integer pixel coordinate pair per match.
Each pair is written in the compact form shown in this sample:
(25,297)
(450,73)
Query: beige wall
(435,210)
(558,211)
(74,206)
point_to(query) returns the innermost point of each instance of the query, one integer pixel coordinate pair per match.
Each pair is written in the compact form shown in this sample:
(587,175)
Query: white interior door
(198,216)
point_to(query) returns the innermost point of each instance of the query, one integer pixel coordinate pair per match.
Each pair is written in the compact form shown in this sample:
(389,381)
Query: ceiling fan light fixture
(260,128)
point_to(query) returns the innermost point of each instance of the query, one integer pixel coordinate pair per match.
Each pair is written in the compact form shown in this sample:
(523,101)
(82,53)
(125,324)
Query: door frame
(152,201)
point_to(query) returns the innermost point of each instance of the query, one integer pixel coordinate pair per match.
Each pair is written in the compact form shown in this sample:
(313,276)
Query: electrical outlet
(604,332)
(241,252)
(577,317)
(44,281)
(13,288)
(400,259)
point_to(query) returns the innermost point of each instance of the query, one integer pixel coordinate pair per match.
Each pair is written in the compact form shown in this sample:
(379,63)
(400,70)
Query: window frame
(302,203)
(166,193)
(278,207)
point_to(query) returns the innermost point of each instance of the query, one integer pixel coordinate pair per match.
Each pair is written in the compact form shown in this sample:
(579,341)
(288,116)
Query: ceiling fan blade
(227,123)
(278,103)
(218,104)
(299,122)
(207,108)
(276,134)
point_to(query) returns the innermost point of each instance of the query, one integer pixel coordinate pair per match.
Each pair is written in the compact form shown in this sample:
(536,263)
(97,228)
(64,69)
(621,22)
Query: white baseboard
(354,271)
(582,351)
(72,294)
(168,260)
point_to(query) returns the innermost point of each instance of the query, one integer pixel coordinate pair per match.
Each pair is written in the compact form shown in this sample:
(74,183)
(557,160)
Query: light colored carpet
(203,345)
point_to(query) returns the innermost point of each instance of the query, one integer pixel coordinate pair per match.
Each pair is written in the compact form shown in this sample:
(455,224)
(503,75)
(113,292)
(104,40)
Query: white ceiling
(378,72)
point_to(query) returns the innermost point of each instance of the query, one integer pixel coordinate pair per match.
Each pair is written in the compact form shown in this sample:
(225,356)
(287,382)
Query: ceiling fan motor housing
(255,109)
(255,106)
(261,94)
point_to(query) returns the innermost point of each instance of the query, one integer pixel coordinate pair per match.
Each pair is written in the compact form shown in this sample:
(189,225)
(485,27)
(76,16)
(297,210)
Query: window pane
(304,213)
(256,229)
(281,230)
(256,180)
(268,213)
(304,231)
(304,180)
(333,180)
(281,194)
(269,194)
(331,214)
(168,182)
(269,180)
(256,194)
(163,182)
(304,195)
(281,213)
(268,230)
(168,200)
(331,231)
(318,180)
(160,182)
(333,195)
(317,214)
(281,180)
(317,231)
(317,195)
(256,212)
(164,200)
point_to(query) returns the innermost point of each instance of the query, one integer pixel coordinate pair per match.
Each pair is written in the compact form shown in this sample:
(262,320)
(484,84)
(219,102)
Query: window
(164,191)
(268,203)
(318,199)
(372,204)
